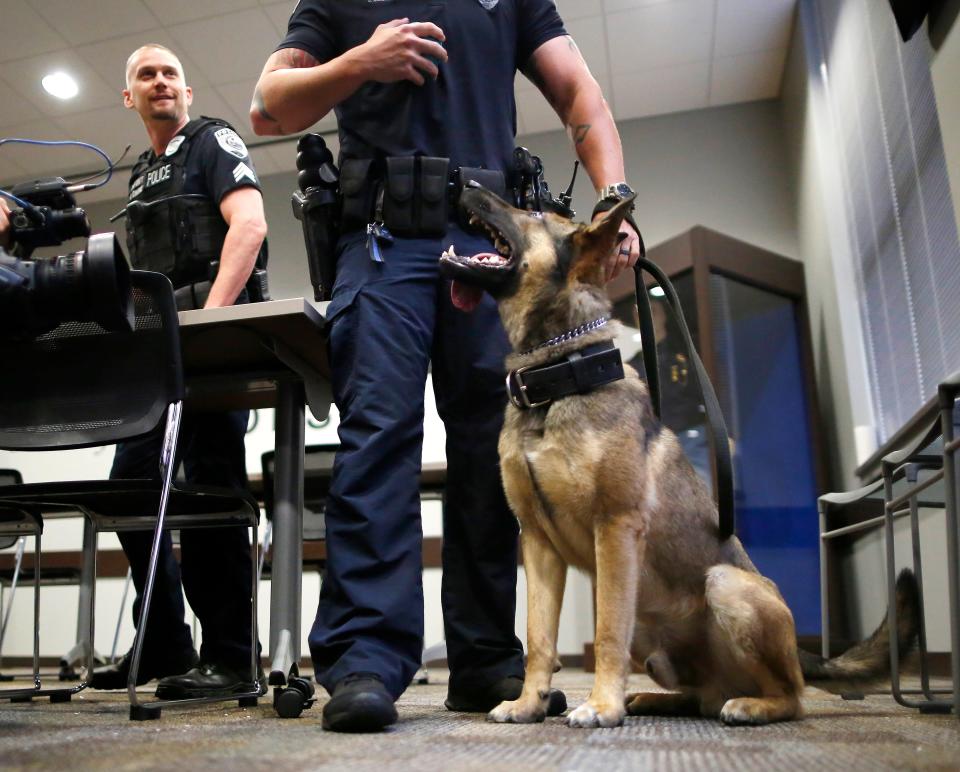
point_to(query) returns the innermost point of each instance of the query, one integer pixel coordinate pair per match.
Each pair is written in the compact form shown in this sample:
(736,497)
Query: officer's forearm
(561,74)
(292,94)
(595,137)
(237,258)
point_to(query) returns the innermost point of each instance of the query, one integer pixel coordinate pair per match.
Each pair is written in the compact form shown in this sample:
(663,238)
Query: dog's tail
(870,660)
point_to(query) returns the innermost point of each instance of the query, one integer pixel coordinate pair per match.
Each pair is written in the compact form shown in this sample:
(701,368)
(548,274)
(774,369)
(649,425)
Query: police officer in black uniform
(195,213)
(423,91)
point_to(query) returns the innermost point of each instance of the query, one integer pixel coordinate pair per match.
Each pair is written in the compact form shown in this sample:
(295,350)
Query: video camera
(91,285)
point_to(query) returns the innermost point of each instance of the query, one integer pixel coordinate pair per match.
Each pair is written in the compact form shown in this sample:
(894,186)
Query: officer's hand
(402,50)
(4,223)
(625,253)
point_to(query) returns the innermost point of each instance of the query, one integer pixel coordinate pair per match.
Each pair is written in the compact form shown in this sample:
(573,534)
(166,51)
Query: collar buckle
(517,390)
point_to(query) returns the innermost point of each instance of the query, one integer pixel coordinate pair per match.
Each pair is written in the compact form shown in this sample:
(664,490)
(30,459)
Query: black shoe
(360,703)
(486,699)
(210,680)
(115,676)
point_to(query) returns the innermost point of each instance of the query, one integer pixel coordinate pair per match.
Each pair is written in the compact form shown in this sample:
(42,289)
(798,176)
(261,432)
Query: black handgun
(316,206)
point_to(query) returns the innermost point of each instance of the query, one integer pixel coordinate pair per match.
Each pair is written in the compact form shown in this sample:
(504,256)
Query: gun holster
(317,211)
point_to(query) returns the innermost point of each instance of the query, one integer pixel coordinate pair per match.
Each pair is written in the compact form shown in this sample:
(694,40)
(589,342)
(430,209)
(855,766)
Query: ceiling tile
(24,77)
(747,26)
(279,15)
(263,162)
(237,97)
(208,102)
(577,9)
(15,109)
(111,129)
(81,23)
(171,12)
(228,49)
(747,77)
(25,33)
(536,112)
(10,172)
(665,90)
(662,35)
(612,6)
(109,57)
(284,154)
(591,39)
(44,161)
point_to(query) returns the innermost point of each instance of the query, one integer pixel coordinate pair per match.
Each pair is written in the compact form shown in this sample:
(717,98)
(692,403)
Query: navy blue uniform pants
(389,322)
(215,562)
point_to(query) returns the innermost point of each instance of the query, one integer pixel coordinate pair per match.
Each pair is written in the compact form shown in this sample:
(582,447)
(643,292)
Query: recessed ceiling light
(60,85)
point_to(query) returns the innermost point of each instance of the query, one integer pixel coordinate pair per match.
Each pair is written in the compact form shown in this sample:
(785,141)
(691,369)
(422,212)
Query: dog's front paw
(744,711)
(517,712)
(590,715)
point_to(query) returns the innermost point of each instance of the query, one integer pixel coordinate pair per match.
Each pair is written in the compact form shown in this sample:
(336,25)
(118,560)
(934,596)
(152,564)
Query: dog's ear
(594,243)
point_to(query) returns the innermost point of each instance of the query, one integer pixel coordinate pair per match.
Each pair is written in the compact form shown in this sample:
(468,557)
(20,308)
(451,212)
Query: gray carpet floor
(93,732)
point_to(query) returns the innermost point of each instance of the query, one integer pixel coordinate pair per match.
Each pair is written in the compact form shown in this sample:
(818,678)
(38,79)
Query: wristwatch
(615,192)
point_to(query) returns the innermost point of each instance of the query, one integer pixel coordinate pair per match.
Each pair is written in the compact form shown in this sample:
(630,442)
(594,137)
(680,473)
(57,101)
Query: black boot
(210,679)
(115,676)
(360,703)
(485,699)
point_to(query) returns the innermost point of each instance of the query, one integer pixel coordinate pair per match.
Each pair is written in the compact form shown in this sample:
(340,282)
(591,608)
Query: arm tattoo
(295,58)
(580,133)
(261,108)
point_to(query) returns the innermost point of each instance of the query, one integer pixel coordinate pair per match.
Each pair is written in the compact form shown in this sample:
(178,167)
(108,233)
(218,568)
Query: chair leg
(167,457)
(952,480)
(123,607)
(27,694)
(5,613)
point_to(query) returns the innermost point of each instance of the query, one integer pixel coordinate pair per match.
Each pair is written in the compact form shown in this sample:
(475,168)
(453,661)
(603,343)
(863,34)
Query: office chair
(923,474)
(16,523)
(55,400)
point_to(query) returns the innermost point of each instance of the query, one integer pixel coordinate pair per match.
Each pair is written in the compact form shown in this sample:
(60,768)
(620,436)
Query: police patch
(488,5)
(174,145)
(231,142)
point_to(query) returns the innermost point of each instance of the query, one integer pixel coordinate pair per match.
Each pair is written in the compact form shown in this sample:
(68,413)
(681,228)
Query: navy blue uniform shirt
(217,163)
(468,114)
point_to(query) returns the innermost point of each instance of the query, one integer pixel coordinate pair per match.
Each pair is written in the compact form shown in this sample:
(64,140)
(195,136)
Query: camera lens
(91,286)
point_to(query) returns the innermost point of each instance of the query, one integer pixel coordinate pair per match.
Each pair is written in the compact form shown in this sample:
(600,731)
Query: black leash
(718,427)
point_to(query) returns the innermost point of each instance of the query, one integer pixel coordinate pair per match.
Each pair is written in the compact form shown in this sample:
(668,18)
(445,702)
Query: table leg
(287,569)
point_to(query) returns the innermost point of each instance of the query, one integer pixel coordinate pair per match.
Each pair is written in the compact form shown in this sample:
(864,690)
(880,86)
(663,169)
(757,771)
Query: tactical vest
(180,237)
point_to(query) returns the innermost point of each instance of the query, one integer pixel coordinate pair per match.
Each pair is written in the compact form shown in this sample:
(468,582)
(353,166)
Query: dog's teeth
(474,219)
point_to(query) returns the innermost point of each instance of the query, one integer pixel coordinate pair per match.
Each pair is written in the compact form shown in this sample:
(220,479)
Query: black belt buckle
(517,390)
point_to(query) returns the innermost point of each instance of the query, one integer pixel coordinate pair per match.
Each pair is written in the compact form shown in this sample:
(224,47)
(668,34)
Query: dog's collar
(563,337)
(577,373)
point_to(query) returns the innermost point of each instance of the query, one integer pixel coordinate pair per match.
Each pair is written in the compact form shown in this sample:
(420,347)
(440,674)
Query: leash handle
(718,427)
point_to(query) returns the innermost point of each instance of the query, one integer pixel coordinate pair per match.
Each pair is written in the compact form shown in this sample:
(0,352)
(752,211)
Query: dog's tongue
(465,297)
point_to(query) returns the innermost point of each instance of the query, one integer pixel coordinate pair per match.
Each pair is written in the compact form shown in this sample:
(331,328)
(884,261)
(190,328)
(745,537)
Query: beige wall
(945,68)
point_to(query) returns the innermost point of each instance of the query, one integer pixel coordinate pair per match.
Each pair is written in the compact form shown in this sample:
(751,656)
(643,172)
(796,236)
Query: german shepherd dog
(598,483)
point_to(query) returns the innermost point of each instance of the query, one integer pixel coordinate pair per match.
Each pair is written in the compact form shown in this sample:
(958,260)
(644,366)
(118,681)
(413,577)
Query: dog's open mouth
(473,274)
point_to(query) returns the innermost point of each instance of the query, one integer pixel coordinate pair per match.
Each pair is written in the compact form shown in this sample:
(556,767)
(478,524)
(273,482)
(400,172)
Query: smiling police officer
(424,95)
(194,213)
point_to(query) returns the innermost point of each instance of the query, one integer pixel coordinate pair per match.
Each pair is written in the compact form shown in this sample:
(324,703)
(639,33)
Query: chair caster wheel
(247,702)
(936,707)
(292,701)
(67,673)
(853,696)
(144,713)
(61,697)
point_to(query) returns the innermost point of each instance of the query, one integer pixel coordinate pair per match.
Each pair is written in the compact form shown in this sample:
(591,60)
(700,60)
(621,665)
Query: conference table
(263,355)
